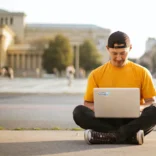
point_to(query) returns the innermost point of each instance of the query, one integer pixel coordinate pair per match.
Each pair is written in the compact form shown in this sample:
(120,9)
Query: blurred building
(16,38)
(150,43)
(147,58)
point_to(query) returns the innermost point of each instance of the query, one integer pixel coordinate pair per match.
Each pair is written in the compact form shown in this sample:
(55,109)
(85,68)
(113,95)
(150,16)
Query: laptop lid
(117,102)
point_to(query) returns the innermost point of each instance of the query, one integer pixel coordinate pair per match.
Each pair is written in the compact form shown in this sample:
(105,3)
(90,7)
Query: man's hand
(90,105)
(147,103)
(142,107)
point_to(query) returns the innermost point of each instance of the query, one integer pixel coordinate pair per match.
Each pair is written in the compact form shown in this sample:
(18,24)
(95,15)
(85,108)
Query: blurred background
(48,48)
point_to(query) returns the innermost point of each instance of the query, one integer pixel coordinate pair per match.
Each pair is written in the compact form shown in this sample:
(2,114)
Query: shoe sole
(140,137)
(86,136)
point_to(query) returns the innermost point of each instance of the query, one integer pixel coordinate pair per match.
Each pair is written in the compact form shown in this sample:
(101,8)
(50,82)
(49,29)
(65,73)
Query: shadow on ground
(49,147)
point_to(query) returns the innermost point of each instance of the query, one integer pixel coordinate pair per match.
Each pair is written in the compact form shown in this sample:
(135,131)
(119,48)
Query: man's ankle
(121,135)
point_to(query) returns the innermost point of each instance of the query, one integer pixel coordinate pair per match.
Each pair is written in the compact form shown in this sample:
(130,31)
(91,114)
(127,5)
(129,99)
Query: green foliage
(19,129)
(58,54)
(36,128)
(90,58)
(2,128)
(76,129)
(56,128)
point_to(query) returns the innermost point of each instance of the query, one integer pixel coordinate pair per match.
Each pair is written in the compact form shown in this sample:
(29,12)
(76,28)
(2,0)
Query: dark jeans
(128,127)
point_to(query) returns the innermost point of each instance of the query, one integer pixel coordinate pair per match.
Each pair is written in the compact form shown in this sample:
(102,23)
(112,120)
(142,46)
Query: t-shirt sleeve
(148,89)
(90,88)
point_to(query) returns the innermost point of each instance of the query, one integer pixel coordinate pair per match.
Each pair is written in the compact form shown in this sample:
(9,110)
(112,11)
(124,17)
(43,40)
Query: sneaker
(93,137)
(138,139)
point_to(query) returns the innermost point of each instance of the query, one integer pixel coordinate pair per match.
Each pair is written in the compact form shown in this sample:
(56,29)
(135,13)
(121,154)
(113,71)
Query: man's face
(118,56)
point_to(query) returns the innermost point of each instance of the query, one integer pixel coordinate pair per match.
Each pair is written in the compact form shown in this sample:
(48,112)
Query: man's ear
(107,48)
(130,47)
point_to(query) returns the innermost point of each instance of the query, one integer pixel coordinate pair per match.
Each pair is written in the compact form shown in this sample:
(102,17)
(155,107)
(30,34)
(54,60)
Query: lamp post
(77,61)
(1,38)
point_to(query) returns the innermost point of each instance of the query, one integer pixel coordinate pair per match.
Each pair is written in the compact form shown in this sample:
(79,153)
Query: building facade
(150,43)
(16,38)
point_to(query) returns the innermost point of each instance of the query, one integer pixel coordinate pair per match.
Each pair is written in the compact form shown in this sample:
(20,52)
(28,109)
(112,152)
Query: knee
(151,111)
(78,110)
(78,114)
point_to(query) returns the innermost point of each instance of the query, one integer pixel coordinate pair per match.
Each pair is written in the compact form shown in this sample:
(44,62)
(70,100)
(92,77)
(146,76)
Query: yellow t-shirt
(129,76)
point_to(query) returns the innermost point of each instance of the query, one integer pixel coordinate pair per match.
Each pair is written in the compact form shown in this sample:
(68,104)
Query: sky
(137,18)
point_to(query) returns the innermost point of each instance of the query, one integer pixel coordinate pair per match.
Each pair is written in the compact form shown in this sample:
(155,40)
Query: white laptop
(117,102)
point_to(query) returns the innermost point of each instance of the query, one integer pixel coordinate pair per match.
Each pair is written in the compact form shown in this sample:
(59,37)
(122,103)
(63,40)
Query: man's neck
(119,66)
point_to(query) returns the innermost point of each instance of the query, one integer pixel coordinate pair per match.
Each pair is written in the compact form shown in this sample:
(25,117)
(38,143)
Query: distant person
(119,72)
(82,73)
(10,73)
(70,71)
(3,72)
(38,72)
(24,73)
(7,72)
(56,72)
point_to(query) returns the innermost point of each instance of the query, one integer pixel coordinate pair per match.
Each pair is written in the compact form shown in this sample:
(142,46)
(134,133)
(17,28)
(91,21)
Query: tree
(58,55)
(90,58)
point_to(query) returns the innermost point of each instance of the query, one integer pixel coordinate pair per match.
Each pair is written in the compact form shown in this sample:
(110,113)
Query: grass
(2,128)
(19,129)
(56,128)
(38,128)
(76,129)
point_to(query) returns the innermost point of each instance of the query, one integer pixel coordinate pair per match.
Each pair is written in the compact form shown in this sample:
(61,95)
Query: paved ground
(38,110)
(57,143)
(40,85)
(66,143)
(35,102)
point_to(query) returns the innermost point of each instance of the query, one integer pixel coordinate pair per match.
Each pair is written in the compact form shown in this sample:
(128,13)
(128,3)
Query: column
(28,62)
(9,60)
(34,62)
(23,62)
(40,62)
(37,61)
(17,61)
(2,59)
(31,61)
(38,65)
(12,60)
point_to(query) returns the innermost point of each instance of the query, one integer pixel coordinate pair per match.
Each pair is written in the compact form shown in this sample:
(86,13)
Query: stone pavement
(66,143)
(43,85)
(59,143)
(40,85)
